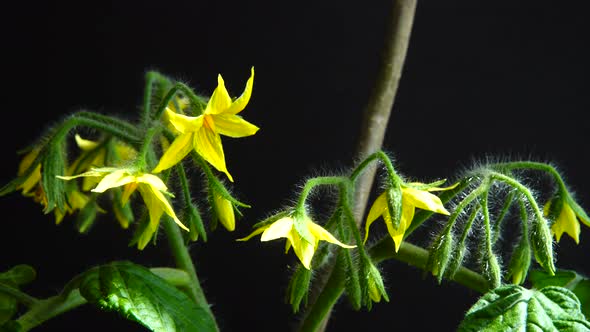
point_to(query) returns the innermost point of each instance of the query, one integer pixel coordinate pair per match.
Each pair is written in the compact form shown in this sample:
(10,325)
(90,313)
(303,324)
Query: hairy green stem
(178,87)
(523,189)
(184,261)
(314,182)
(535,166)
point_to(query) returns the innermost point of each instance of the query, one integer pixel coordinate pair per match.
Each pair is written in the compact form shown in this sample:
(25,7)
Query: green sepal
(298,288)
(514,308)
(87,216)
(439,254)
(394,204)
(374,284)
(425,186)
(542,244)
(300,224)
(141,296)
(273,218)
(578,210)
(54,164)
(195,223)
(569,279)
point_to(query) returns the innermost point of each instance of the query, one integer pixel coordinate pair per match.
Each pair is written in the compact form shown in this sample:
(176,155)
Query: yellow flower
(31,186)
(285,228)
(202,132)
(151,188)
(566,222)
(76,201)
(414,195)
(225,212)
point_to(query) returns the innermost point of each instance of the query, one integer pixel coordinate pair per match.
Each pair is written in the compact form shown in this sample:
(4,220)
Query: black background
(485,79)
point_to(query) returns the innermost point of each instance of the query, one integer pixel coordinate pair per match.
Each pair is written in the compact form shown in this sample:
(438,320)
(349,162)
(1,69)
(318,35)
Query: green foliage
(140,295)
(571,280)
(514,308)
(13,278)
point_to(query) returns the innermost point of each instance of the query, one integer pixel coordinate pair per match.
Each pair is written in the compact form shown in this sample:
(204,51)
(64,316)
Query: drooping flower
(31,186)
(304,249)
(414,195)
(202,132)
(151,188)
(566,220)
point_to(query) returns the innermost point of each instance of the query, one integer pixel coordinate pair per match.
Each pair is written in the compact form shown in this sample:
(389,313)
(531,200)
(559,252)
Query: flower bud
(440,254)
(224,211)
(298,288)
(375,286)
(195,223)
(394,205)
(543,245)
(491,270)
(520,261)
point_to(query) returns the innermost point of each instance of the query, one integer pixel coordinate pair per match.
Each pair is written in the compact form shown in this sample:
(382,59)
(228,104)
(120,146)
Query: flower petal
(220,100)
(239,104)
(225,212)
(566,222)
(115,179)
(182,145)
(277,229)
(208,145)
(321,233)
(304,251)
(85,144)
(184,124)
(153,181)
(424,200)
(256,232)
(233,126)
(155,211)
(158,198)
(377,209)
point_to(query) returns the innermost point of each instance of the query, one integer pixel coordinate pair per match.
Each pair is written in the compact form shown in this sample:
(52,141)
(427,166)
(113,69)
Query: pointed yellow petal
(128,189)
(239,104)
(304,251)
(115,179)
(59,216)
(256,232)
(153,181)
(182,145)
(27,160)
(321,233)
(225,211)
(85,144)
(453,186)
(424,200)
(155,211)
(159,199)
(208,145)
(377,209)
(566,223)
(184,124)
(278,229)
(31,181)
(220,100)
(233,126)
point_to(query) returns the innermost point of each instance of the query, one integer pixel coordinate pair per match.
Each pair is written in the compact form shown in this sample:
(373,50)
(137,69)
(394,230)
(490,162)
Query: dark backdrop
(480,79)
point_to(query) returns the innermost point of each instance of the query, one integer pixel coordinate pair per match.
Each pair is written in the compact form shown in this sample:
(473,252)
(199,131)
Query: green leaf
(8,306)
(514,308)
(569,279)
(140,295)
(18,275)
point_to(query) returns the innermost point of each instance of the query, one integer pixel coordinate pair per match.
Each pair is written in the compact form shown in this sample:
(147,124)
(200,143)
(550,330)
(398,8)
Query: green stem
(142,157)
(314,182)
(83,120)
(20,296)
(49,308)
(178,87)
(183,261)
(536,166)
(150,78)
(502,215)
(523,189)
(358,171)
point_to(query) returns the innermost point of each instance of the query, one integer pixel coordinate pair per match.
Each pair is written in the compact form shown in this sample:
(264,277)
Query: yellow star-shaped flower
(412,198)
(285,228)
(202,132)
(151,188)
(566,222)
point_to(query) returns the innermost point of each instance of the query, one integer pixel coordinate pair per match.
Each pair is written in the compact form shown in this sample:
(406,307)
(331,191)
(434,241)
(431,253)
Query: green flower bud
(375,286)
(440,254)
(491,270)
(543,245)
(53,165)
(298,288)
(520,261)
(195,223)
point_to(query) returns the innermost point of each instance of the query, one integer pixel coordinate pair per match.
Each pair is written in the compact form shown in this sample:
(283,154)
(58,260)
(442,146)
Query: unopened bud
(394,205)
(491,270)
(440,254)
(298,287)
(543,245)
(520,261)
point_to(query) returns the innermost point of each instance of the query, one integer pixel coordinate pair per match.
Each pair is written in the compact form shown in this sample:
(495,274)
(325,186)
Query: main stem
(183,261)
(375,121)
